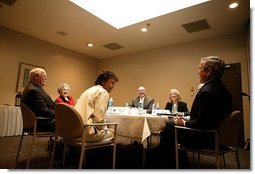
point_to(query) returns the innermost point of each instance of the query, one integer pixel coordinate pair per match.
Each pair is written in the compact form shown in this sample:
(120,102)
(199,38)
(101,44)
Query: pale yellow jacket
(92,106)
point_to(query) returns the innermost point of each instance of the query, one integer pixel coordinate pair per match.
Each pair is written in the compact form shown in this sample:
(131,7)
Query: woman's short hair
(104,76)
(62,85)
(215,63)
(177,93)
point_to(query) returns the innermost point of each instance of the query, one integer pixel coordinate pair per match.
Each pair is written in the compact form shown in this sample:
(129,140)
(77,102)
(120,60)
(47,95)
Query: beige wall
(62,65)
(161,69)
(158,70)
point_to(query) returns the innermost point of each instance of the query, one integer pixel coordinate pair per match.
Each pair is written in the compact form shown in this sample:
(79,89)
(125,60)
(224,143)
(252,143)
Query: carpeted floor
(128,157)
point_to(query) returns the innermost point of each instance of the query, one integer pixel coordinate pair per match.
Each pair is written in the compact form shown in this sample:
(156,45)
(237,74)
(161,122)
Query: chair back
(28,116)
(230,129)
(68,121)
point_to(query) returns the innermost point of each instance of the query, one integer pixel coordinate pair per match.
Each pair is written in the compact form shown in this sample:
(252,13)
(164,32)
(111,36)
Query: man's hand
(179,121)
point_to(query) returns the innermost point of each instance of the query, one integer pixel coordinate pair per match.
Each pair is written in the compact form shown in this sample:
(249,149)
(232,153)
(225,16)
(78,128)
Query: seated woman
(63,90)
(176,105)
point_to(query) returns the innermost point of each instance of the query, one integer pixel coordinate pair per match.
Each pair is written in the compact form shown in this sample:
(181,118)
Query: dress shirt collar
(142,98)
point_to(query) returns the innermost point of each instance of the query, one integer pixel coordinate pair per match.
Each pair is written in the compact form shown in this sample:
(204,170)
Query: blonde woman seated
(64,97)
(176,105)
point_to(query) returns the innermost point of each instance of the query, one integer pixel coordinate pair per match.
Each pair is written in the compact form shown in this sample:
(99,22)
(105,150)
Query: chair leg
(64,155)
(114,156)
(53,154)
(224,161)
(30,152)
(237,159)
(217,157)
(176,149)
(21,140)
(177,159)
(50,146)
(82,160)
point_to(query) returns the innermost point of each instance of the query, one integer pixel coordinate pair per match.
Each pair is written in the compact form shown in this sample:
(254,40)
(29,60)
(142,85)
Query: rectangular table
(11,123)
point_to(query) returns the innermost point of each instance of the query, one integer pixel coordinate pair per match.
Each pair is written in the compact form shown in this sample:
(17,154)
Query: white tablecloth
(11,123)
(138,127)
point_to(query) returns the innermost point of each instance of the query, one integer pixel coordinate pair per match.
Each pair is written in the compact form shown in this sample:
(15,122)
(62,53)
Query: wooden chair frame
(220,135)
(80,132)
(30,122)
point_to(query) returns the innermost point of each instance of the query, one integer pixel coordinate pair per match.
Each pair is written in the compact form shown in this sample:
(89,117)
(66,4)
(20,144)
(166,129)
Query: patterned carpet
(128,157)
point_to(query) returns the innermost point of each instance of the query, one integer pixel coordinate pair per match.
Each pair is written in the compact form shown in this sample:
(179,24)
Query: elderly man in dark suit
(142,97)
(38,100)
(212,104)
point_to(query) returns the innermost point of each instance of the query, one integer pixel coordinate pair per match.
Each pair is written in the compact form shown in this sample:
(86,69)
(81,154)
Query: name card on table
(160,111)
(125,111)
(118,110)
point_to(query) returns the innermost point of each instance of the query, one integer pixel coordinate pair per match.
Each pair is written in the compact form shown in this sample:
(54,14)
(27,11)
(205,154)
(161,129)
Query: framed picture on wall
(23,77)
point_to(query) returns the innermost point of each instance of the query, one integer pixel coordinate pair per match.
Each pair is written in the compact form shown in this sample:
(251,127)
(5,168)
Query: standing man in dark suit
(38,100)
(142,97)
(212,104)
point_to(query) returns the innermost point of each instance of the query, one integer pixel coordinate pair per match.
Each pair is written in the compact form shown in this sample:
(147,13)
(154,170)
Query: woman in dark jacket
(176,105)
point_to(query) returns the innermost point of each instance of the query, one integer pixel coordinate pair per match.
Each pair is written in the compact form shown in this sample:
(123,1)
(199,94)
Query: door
(232,80)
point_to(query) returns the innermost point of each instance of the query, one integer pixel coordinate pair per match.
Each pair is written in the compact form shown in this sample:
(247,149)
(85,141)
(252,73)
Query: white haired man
(38,100)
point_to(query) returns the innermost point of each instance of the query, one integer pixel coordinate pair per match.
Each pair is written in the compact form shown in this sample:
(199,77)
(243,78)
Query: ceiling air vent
(8,2)
(62,33)
(196,26)
(113,46)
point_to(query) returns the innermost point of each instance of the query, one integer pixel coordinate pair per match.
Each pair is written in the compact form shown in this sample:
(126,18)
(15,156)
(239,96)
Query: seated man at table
(38,100)
(213,94)
(142,98)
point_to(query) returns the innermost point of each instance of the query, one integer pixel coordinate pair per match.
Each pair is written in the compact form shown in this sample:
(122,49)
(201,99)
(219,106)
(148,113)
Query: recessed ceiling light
(89,44)
(233,5)
(122,13)
(145,29)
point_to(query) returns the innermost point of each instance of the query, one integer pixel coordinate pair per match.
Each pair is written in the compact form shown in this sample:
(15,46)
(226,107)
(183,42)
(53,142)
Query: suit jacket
(211,105)
(36,98)
(182,107)
(147,103)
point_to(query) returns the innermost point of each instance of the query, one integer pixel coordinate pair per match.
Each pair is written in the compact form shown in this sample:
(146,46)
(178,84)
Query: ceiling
(62,23)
